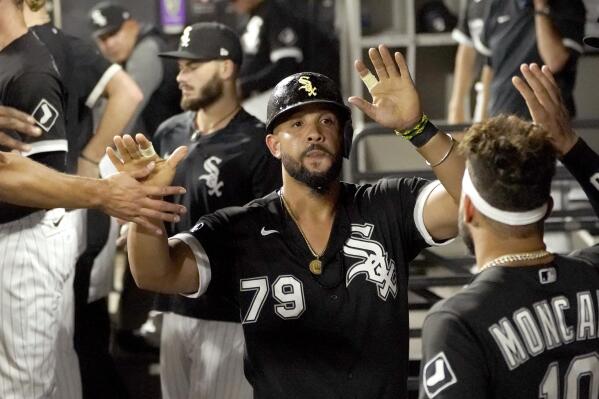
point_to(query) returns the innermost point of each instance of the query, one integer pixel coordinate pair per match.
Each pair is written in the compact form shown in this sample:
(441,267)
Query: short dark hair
(511,162)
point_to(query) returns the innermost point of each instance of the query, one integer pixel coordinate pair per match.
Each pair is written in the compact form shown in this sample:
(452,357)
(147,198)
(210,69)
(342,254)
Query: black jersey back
(343,334)
(85,74)
(229,167)
(29,81)
(518,332)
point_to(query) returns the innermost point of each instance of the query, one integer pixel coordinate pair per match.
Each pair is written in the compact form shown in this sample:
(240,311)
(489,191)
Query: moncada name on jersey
(532,332)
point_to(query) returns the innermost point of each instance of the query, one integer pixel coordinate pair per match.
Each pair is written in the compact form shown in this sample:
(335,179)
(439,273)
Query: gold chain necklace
(505,259)
(315,265)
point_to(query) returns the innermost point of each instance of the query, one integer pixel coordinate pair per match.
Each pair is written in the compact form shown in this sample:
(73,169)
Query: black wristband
(430,130)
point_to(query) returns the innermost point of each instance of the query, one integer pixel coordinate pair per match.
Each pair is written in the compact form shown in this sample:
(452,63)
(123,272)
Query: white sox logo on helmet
(373,261)
(307,86)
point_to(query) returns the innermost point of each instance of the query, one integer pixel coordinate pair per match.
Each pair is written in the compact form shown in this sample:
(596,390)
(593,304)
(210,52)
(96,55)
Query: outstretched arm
(396,105)
(547,109)
(155,265)
(28,183)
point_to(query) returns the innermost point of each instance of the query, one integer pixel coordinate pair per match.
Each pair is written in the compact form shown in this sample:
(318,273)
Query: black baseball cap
(107,17)
(592,41)
(206,41)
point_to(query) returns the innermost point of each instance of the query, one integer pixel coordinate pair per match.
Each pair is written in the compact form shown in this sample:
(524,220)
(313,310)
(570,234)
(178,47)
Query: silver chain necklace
(509,258)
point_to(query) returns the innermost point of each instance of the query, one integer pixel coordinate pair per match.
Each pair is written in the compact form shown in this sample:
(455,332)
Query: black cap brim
(186,55)
(591,41)
(106,30)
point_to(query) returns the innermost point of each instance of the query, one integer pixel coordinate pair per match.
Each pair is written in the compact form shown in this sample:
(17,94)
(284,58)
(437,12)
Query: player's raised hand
(128,199)
(395,101)
(543,98)
(12,119)
(138,153)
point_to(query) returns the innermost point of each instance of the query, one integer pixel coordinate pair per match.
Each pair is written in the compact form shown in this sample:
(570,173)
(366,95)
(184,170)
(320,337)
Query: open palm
(132,159)
(395,101)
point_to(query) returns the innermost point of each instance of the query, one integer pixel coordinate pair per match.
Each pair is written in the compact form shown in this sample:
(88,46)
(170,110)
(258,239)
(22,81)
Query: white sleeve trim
(39,147)
(572,44)
(425,192)
(101,85)
(461,37)
(202,261)
(287,52)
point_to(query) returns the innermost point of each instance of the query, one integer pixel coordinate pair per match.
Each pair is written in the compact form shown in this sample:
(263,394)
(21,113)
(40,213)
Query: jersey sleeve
(284,39)
(40,95)
(452,365)
(92,71)
(213,247)
(583,163)
(461,33)
(406,198)
(569,18)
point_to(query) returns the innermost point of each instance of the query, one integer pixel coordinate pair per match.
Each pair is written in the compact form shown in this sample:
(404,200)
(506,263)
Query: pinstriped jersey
(30,82)
(517,332)
(341,334)
(231,166)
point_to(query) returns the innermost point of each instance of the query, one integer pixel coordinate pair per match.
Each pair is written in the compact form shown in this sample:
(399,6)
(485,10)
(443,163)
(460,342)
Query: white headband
(506,217)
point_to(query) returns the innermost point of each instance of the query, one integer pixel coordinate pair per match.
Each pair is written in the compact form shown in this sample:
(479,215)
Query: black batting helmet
(305,88)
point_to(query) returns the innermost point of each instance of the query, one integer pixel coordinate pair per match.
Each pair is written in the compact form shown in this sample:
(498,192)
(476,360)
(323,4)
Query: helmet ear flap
(348,136)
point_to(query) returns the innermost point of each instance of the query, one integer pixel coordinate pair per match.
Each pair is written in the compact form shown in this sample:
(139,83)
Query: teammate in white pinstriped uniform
(36,247)
(228,164)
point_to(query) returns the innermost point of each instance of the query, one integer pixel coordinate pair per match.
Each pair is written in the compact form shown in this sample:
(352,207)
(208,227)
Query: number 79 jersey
(340,334)
(517,332)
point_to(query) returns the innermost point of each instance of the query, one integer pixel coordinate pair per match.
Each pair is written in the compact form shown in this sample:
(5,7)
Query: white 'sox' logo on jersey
(211,166)
(374,262)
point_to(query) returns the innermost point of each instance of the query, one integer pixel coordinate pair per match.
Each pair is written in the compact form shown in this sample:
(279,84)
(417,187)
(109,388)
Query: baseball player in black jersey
(227,164)
(527,325)
(317,269)
(510,32)
(272,43)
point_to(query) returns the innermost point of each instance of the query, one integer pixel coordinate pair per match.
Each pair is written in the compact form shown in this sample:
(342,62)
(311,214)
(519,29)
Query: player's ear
(227,69)
(273,144)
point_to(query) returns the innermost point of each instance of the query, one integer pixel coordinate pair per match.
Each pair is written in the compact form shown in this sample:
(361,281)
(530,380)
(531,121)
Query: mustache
(318,147)
(184,86)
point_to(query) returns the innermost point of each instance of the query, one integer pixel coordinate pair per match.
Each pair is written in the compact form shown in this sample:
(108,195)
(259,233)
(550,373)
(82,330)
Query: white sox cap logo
(98,18)
(45,114)
(437,375)
(374,262)
(185,37)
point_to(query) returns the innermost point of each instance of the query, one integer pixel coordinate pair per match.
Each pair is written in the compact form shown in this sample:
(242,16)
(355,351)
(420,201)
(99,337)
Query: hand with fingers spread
(132,158)
(544,101)
(128,199)
(12,119)
(395,101)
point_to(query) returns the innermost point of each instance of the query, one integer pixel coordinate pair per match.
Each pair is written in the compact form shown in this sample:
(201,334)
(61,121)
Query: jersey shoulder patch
(437,375)
(45,114)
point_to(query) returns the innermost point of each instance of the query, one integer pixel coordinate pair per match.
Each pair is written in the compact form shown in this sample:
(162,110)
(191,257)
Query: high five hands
(132,157)
(395,101)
